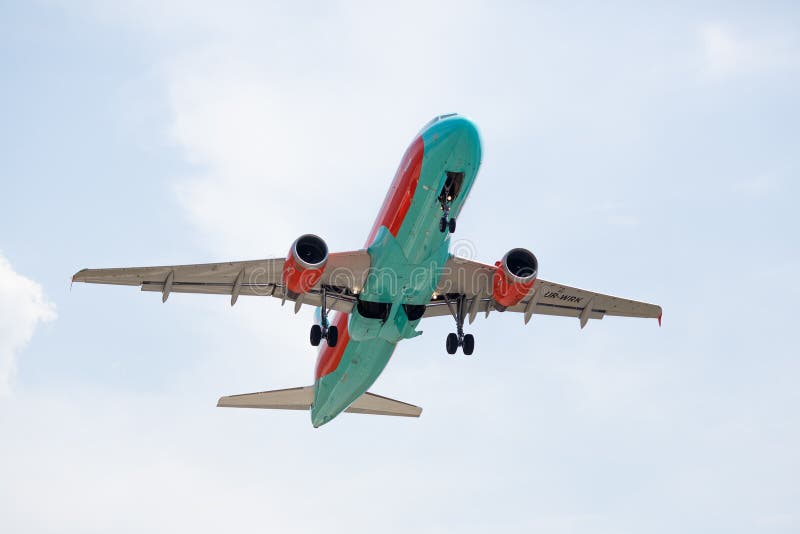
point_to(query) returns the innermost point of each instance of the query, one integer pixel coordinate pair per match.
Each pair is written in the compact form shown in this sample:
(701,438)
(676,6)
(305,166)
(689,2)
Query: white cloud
(727,53)
(285,110)
(22,307)
(759,185)
(275,106)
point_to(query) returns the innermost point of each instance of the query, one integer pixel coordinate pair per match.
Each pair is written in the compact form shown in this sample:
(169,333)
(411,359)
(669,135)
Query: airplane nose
(453,128)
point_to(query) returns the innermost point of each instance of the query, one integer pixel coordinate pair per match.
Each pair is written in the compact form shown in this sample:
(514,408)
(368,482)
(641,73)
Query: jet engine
(305,264)
(514,277)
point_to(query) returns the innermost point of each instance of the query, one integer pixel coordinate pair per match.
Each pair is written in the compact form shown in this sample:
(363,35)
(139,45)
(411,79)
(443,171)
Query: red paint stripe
(398,200)
(329,357)
(393,211)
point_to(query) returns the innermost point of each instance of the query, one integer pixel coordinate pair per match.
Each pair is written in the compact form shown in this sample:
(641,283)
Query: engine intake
(514,277)
(304,264)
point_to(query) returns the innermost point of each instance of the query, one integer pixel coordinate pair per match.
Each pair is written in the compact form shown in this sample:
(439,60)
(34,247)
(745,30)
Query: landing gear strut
(327,331)
(459,338)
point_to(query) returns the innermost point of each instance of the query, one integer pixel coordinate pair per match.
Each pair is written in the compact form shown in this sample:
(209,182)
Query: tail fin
(302,398)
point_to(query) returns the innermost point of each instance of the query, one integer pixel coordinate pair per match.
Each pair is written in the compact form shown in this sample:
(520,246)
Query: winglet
(75,276)
(659,318)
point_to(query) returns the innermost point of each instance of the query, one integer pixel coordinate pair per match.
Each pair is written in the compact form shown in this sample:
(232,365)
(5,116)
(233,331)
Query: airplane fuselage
(407,250)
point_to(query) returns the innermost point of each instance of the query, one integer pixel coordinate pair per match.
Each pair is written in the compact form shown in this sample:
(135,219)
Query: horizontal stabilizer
(372,404)
(302,398)
(279,399)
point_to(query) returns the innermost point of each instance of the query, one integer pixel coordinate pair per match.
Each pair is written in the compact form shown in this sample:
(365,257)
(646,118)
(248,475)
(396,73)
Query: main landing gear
(327,331)
(459,338)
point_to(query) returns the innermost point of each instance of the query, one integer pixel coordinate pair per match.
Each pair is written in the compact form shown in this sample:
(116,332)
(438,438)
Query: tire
(316,335)
(452,343)
(443,225)
(452,226)
(333,336)
(469,344)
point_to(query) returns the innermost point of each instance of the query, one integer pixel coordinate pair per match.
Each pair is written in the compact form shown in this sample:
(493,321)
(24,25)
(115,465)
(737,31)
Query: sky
(647,152)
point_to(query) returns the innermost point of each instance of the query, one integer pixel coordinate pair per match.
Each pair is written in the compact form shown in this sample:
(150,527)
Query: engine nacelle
(305,264)
(514,277)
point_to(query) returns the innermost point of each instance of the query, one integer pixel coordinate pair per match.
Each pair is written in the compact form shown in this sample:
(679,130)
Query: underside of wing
(551,298)
(473,281)
(344,273)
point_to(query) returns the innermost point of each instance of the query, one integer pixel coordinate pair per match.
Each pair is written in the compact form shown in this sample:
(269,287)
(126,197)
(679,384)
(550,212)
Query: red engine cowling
(514,277)
(305,264)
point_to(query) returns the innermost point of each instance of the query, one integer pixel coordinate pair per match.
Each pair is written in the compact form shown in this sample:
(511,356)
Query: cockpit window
(437,119)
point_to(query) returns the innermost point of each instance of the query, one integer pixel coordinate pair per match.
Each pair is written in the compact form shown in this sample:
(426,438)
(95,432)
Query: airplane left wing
(344,273)
(473,281)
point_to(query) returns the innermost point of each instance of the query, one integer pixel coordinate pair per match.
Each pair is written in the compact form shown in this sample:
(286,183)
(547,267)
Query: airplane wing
(345,272)
(473,280)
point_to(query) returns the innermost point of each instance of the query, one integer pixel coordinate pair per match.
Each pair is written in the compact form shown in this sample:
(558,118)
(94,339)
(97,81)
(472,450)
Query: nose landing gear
(459,338)
(325,330)
(451,188)
(445,224)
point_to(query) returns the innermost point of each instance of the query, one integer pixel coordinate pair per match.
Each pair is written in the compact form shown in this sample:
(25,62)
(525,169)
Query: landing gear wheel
(443,225)
(452,343)
(452,226)
(458,310)
(333,336)
(468,345)
(316,335)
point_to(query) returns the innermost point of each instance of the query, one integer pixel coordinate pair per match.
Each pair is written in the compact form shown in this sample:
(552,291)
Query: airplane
(369,300)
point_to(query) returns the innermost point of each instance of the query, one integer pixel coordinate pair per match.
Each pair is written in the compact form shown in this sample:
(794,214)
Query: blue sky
(649,152)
